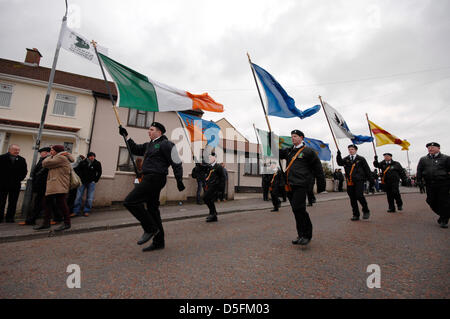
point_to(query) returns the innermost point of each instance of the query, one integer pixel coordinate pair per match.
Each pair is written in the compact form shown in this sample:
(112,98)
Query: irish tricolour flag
(139,92)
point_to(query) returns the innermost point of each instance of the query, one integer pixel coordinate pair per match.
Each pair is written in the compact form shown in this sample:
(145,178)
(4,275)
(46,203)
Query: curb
(47,234)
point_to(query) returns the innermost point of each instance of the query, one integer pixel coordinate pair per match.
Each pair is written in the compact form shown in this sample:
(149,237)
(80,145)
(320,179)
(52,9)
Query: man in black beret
(303,165)
(357,171)
(391,173)
(434,168)
(215,181)
(39,186)
(158,156)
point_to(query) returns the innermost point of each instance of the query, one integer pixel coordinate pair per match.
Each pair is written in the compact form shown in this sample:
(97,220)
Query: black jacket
(216,178)
(361,172)
(11,174)
(306,167)
(39,176)
(89,172)
(394,174)
(200,171)
(434,171)
(158,157)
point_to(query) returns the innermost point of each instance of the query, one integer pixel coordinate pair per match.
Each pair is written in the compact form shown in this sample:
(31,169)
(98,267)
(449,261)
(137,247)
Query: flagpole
(264,109)
(115,108)
(26,203)
(329,125)
(373,144)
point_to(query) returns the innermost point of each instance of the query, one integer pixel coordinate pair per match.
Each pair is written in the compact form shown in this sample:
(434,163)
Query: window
(65,105)
(251,164)
(124,163)
(5,94)
(68,147)
(139,118)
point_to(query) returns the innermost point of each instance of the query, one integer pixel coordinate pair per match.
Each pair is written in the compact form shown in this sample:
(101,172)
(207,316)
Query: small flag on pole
(79,45)
(279,102)
(340,127)
(137,91)
(383,137)
(322,149)
(201,130)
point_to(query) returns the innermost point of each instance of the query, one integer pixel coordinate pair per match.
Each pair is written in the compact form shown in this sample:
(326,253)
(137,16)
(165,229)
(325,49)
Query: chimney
(33,56)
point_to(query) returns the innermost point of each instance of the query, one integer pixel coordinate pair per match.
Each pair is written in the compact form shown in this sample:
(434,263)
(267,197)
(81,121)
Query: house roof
(65,78)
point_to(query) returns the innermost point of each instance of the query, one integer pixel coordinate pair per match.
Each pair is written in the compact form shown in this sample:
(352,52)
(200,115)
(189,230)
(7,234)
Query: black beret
(298,132)
(44,149)
(388,154)
(433,144)
(159,126)
(90,154)
(353,145)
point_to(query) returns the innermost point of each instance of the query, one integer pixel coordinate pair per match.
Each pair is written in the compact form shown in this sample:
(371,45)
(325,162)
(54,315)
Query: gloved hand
(180,186)
(376,158)
(123,131)
(338,153)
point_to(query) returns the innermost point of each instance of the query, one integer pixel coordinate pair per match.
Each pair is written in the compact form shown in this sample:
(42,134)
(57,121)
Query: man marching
(391,173)
(303,165)
(276,184)
(435,170)
(357,171)
(215,181)
(157,158)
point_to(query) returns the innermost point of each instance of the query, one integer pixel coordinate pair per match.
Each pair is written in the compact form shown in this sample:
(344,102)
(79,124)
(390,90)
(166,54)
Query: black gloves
(376,158)
(338,153)
(180,185)
(123,131)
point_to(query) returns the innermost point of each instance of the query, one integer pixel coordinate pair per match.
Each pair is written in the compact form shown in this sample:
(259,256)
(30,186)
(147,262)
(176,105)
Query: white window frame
(4,90)
(61,97)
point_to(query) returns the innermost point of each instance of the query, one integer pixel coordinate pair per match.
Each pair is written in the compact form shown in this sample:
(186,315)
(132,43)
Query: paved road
(244,255)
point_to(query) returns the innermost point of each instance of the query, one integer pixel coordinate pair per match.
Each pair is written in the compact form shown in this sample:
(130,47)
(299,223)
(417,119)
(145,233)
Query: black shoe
(275,210)
(366,215)
(153,246)
(309,205)
(304,241)
(444,224)
(146,237)
(354,218)
(43,226)
(211,218)
(297,241)
(400,207)
(390,210)
(62,227)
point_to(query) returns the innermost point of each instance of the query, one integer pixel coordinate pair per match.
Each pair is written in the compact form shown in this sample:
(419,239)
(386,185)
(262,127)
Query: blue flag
(279,102)
(201,130)
(322,149)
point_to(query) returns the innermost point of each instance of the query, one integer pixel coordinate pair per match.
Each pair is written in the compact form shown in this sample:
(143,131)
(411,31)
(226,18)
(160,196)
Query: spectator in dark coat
(89,171)
(13,169)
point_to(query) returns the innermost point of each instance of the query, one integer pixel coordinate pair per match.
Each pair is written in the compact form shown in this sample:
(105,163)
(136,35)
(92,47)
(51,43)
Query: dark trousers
(12,196)
(393,194)
(38,206)
(265,192)
(297,198)
(275,193)
(356,194)
(71,198)
(282,192)
(148,191)
(439,200)
(61,206)
(209,198)
(200,186)
(341,183)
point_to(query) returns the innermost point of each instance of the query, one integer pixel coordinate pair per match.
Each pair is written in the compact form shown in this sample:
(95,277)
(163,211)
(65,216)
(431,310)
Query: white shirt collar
(156,139)
(212,164)
(300,145)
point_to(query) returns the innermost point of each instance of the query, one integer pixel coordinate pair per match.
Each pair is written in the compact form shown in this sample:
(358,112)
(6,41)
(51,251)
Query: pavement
(117,216)
(244,255)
